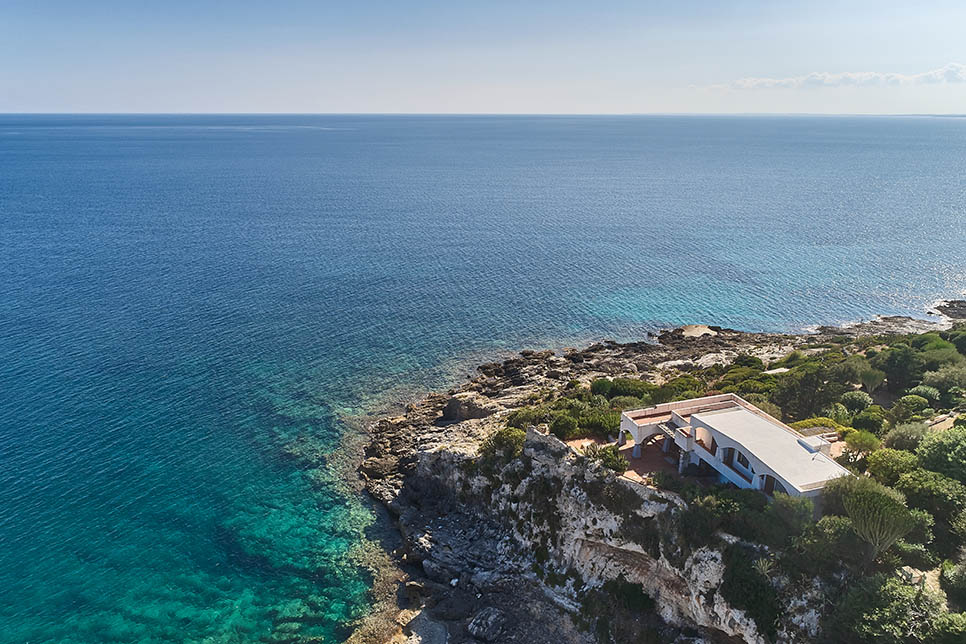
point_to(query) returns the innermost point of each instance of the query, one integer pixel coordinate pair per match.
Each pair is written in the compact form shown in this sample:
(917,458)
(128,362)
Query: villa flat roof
(775,445)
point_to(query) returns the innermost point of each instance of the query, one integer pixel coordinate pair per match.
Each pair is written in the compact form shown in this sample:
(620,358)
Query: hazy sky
(512,57)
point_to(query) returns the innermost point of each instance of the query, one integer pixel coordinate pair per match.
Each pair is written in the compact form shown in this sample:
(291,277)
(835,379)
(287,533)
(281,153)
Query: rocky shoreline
(460,575)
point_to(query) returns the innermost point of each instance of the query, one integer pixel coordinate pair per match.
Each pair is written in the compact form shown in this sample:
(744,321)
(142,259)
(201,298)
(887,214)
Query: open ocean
(184,298)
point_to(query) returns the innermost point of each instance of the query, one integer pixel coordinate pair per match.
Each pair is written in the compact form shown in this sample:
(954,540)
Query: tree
(871,379)
(902,366)
(882,609)
(855,401)
(887,465)
(858,444)
(937,494)
(804,391)
(945,452)
(835,492)
(946,377)
(907,407)
(879,516)
(906,436)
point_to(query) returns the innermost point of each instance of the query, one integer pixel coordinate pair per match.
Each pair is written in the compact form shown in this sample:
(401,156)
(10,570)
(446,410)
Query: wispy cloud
(951,73)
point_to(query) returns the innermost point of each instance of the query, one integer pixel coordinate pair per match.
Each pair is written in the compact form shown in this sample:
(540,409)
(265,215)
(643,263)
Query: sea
(190,304)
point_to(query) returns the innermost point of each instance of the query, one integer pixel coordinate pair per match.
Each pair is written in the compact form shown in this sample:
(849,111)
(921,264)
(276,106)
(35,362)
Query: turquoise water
(183,299)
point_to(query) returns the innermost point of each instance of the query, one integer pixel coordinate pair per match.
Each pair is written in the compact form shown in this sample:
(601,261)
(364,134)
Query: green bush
(838,413)
(745,360)
(906,436)
(745,588)
(915,555)
(946,377)
(526,416)
(948,628)
(925,391)
(598,422)
(601,387)
(563,426)
(871,419)
(626,403)
(883,610)
(887,465)
(855,401)
(942,497)
(504,445)
(791,513)
(953,579)
(825,547)
(817,421)
(761,402)
(908,407)
(629,387)
(609,456)
(945,452)
(703,517)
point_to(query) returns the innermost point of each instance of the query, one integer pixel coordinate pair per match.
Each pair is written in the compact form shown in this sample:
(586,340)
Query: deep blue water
(182,297)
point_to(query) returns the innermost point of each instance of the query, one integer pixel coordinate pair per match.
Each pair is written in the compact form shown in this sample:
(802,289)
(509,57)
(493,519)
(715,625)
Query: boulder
(465,407)
(487,624)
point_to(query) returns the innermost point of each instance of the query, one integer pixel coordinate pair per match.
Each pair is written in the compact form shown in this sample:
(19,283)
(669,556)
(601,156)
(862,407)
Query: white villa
(743,444)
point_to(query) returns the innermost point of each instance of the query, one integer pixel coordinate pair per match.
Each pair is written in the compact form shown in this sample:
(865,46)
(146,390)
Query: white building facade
(743,444)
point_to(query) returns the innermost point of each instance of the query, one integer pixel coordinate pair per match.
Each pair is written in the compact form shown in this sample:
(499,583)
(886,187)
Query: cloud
(951,73)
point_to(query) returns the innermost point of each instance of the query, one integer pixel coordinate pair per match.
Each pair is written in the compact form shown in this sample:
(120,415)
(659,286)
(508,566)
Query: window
(742,460)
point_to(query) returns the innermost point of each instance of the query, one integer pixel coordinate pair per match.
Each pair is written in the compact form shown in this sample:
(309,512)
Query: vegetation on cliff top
(904,506)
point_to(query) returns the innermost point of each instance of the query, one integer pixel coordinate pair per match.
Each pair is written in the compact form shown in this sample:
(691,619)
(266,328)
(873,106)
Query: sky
(423,56)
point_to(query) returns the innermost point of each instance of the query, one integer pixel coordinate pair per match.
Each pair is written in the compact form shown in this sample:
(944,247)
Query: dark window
(742,460)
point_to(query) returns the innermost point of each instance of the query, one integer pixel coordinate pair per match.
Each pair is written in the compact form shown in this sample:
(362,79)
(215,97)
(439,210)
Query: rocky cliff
(549,546)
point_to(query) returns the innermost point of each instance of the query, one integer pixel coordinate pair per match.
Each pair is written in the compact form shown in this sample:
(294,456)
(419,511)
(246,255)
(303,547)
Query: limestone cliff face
(555,502)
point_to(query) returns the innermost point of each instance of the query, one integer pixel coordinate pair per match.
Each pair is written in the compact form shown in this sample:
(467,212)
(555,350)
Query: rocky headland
(521,554)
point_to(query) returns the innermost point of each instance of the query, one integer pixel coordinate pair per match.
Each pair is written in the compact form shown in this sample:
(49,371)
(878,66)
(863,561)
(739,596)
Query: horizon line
(118,113)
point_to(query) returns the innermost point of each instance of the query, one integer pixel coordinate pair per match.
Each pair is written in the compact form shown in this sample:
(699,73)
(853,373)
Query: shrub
(817,421)
(504,445)
(907,407)
(792,513)
(629,387)
(601,387)
(945,452)
(925,391)
(906,436)
(526,416)
(599,423)
(745,588)
(922,528)
(946,377)
(624,403)
(703,517)
(609,456)
(949,628)
(855,401)
(942,497)
(953,579)
(838,413)
(563,426)
(915,555)
(826,546)
(883,610)
(871,419)
(761,402)
(745,360)
(887,465)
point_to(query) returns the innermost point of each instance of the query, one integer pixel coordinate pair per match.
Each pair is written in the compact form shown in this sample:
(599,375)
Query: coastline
(458,419)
